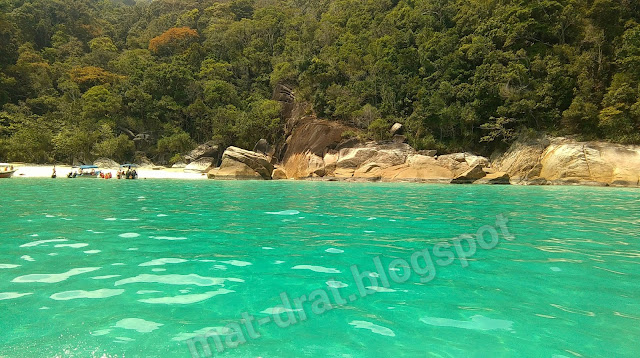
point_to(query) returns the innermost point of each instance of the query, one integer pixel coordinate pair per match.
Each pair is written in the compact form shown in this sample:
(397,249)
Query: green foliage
(176,159)
(261,121)
(458,74)
(99,102)
(379,129)
(350,134)
(119,148)
(74,143)
(179,142)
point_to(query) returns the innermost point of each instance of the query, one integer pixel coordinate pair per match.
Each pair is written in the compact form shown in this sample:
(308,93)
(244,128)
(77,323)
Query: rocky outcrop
(141,159)
(263,147)
(207,150)
(278,174)
(316,149)
(470,176)
(373,159)
(307,145)
(522,160)
(242,164)
(418,168)
(497,178)
(106,163)
(566,161)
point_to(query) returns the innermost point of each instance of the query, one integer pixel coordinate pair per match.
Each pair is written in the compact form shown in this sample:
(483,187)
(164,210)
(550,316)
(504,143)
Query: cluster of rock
(140,159)
(316,150)
(202,158)
(243,164)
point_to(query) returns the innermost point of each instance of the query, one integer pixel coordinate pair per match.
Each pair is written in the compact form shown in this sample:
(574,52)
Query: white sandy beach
(44,171)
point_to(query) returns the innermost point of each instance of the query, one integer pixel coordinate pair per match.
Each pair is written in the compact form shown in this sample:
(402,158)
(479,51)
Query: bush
(120,149)
(379,129)
(178,158)
(29,146)
(175,144)
(349,134)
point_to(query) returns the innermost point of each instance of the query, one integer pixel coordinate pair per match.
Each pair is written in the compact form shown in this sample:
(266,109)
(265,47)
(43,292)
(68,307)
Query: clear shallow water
(138,266)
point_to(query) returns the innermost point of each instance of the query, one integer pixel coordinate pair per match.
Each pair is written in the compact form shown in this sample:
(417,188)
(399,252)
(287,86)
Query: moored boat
(6,170)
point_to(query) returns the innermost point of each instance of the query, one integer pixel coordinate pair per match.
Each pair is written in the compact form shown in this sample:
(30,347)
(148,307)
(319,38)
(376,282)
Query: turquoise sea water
(92,268)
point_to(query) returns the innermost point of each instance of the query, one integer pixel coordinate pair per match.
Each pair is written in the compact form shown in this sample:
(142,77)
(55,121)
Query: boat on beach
(85,171)
(6,170)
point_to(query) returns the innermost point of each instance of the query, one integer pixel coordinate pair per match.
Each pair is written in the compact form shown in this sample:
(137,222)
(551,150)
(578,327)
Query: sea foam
(186,299)
(79,294)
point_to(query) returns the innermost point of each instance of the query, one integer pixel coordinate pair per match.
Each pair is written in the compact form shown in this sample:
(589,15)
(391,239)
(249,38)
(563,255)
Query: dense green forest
(84,78)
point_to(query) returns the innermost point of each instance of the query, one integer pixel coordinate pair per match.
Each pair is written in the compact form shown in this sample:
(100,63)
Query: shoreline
(27,170)
(45,170)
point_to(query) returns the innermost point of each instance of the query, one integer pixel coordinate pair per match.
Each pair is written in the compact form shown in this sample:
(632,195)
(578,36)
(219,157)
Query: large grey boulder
(207,150)
(239,163)
(396,129)
(106,163)
(262,147)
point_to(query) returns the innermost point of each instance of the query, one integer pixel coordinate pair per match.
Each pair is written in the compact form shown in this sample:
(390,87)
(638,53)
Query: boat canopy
(128,165)
(83,167)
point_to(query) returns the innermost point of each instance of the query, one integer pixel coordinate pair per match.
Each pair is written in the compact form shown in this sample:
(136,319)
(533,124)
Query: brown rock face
(242,164)
(421,172)
(307,146)
(279,174)
(470,175)
(522,160)
(315,149)
(498,178)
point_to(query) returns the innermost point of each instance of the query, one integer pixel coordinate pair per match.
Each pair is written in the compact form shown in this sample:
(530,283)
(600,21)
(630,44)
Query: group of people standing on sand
(75,174)
(121,174)
(128,174)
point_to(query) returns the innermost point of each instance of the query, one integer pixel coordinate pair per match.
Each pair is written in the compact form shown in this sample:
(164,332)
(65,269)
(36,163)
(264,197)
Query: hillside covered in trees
(85,78)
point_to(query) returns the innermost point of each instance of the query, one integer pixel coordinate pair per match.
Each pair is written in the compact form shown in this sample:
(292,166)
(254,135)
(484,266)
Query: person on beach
(54,175)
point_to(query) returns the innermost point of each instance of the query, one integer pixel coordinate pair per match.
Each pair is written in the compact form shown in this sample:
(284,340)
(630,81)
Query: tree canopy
(82,78)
